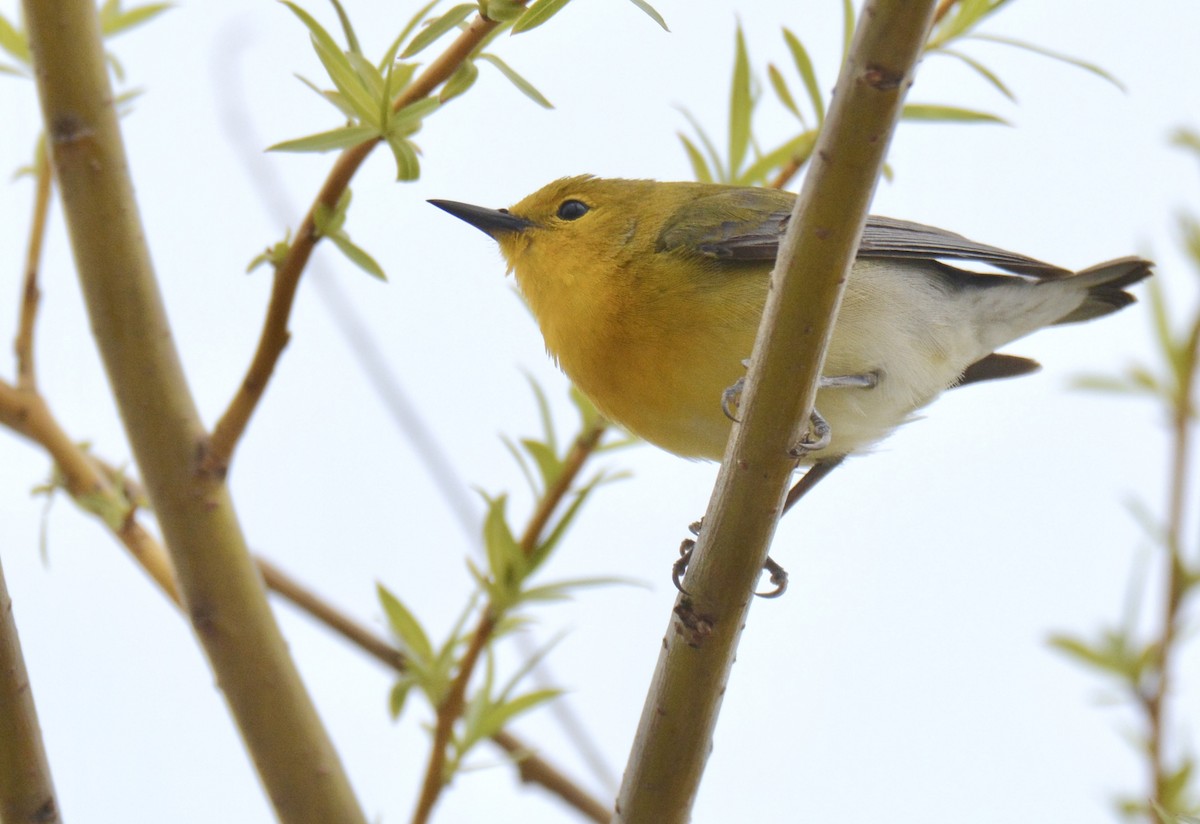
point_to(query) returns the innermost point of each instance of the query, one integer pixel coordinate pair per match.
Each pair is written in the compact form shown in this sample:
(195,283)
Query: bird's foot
(779,576)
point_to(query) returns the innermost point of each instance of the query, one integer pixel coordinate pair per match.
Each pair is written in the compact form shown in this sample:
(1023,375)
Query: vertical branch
(26,790)
(30,293)
(221,589)
(1178,576)
(680,713)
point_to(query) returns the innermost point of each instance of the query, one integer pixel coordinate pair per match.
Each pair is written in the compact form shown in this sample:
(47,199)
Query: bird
(649,295)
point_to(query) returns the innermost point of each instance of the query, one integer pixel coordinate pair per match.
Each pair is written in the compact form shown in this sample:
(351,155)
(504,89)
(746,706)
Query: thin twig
(1156,702)
(450,710)
(87,481)
(583,448)
(274,336)
(787,173)
(453,704)
(534,770)
(942,10)
(30,293)
(283,584)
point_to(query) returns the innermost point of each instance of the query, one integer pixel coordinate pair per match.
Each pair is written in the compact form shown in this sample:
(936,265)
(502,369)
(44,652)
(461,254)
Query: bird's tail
(1105,285)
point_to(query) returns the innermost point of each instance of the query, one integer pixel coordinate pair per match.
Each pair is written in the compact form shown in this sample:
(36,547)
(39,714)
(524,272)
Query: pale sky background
(904,678)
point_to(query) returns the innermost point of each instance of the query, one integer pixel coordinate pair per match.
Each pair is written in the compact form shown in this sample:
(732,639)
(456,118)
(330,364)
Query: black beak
(492,222)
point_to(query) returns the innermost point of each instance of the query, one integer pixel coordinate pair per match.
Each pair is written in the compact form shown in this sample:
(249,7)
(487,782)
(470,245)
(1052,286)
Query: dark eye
(572,210)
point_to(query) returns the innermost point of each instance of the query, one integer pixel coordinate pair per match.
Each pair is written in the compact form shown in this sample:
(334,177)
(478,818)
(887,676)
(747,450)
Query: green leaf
(412,23)
(964,16)
(463,78)
(329,141)
(797,150)
(561,590)
(408,166)
(1186,139)
(699,166)
(521,462)
(783,92)
(544,417)
(524,86)
(1053,55)
(314,28)
(14,41)
(398,695)
(548,464)
(807,73)
(937,113)
(527,666)
(537,14)
(504,554)
(543,550)
(332,97)
(1175,785)
(399,77)
(13,70)
(404,625)
(370,77)
(502,11)
(340,70)
(1110,383)
(357,255)
(847,26)
(337,66)
(714,156)
(273,255)
(494,720)
(1114,653)
(114,21)
(982,70)
(406,121)
(348,30)
(437,28)
(741,105)
(650,10)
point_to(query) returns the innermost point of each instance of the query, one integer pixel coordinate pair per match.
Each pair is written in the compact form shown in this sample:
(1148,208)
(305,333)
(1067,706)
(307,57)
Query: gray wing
(747,224)
(885,237)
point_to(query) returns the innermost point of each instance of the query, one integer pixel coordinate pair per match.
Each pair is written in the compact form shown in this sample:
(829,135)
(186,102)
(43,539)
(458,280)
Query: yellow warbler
(649,296)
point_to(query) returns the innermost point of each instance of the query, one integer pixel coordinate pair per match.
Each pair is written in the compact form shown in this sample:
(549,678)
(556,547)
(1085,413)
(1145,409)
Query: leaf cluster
(745,162)
(1140,668)
(503,590)
(114,20)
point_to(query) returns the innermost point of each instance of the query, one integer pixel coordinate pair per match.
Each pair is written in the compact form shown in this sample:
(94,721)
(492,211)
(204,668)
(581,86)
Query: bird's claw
(779,576)
(815,439)
(730,398)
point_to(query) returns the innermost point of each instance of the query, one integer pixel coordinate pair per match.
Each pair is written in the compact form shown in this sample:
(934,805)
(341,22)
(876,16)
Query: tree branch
(26,789)
(675,732)
(274,337)
(452,706)
(30,293)
(222,591)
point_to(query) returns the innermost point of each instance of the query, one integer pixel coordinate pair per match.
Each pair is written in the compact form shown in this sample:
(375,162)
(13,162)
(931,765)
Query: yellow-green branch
(221,589)
(679,716)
